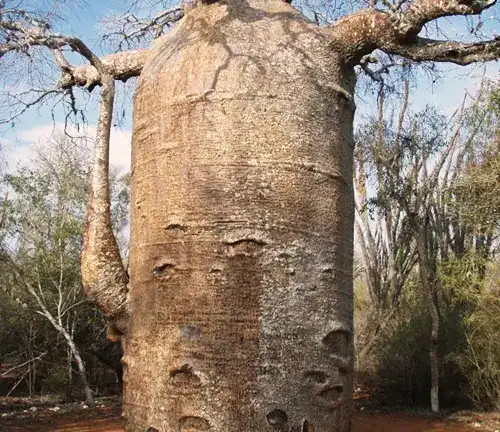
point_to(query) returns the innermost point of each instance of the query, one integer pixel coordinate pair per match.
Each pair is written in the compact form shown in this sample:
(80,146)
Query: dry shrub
(398,364)
(480,358)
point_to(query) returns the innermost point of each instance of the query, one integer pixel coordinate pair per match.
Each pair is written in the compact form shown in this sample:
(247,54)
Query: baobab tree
(237,313)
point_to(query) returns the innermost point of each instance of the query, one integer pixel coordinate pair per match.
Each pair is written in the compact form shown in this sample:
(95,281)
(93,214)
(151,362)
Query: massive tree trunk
(238,314)
(241,243)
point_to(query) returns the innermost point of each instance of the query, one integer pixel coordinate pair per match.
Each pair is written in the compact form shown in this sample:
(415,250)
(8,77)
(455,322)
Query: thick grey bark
(121,66)
(241,242)
(396,31)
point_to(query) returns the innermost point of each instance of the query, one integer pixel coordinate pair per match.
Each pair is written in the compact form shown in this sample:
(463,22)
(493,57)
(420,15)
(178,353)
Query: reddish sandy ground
(361,423)
(22,415)
(405,423)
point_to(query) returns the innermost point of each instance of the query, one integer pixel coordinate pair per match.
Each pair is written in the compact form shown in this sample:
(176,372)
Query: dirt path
(406,423)
(361,423)
(113,424)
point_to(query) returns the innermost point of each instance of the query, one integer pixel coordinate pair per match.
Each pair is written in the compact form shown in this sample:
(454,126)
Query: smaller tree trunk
(74,350)
(80,364)
(70,373)
(434,366)
(83,378)
(427,279)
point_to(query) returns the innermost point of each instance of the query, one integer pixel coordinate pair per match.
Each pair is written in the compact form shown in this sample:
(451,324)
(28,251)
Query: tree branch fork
(395,30)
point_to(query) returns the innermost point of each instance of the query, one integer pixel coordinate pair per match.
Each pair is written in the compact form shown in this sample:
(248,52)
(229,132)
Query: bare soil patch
(21,416)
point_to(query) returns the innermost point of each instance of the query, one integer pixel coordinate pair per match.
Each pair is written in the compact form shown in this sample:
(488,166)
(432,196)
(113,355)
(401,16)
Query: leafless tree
(387,249)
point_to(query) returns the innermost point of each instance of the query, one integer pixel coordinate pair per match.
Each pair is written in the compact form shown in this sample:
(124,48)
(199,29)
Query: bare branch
(460,53)
(26,106)
(21,35)
(395,31)
(103,274)
(376,75)
(61,61)
(421,12)
(120,66)
(129,30)
(23,364)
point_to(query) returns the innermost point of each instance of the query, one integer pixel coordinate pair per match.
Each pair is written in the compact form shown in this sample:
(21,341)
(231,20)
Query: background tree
(48,234)
(416,164)
(386,242)
(41,248)
(471,276)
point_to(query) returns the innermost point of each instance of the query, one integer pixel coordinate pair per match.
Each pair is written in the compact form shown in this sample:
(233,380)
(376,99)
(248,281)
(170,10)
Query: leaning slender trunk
(57,323)
(427,280)
(82,373)
(241,240)
(69,387)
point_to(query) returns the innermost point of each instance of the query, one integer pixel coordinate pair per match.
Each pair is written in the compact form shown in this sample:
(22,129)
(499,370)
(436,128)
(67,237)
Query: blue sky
(446,93)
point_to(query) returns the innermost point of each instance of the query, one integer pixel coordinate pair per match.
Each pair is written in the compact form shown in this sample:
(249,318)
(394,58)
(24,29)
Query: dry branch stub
(242,160)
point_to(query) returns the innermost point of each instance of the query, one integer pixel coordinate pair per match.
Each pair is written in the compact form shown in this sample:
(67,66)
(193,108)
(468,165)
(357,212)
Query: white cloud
(28,139)
(121,148)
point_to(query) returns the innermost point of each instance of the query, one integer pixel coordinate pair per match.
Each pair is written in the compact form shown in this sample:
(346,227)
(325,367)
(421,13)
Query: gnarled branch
(20,36)
(461,53)
(395,31)
(120,66)
(103,275)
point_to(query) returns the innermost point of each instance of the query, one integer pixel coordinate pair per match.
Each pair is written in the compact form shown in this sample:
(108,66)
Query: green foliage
(56,382)
(475,190)
(477,195)
(439,178)
(479,358)
(12,319)
(461,279)
(46,215)
(399,362)
(392,155)
(40,266)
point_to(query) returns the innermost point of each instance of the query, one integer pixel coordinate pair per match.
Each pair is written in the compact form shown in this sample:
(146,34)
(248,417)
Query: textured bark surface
(241,243)
(120,66)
